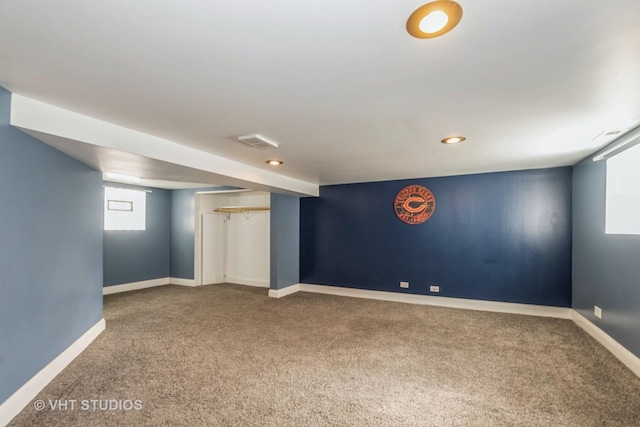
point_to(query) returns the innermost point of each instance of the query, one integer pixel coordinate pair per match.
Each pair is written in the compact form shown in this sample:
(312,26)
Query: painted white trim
(197,241)
(239,190)
(618,350)
(182,282)
(148,284)
(629,359)
(133,286)
(466,304)
(21,398)
(279,293)
(123,186)
(247,282)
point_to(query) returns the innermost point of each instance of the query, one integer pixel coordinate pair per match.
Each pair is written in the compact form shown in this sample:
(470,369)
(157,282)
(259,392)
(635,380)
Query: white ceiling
(346,92)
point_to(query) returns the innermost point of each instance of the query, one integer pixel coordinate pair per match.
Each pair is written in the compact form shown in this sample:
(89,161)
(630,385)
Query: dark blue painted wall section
(606,268)
(133,256)
(499,237)
(284,241)
(50,253)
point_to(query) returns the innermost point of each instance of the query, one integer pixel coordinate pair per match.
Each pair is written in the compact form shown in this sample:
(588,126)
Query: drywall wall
(498,237)
(285,241)
(606,271)
(183,228)
(137,255)
(50,253)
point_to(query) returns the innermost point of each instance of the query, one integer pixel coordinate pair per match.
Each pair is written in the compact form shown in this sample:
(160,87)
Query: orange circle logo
(414,204)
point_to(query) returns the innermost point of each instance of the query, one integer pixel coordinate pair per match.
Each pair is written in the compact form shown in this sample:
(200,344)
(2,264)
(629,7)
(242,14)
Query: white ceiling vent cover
(258,142)
(607,136)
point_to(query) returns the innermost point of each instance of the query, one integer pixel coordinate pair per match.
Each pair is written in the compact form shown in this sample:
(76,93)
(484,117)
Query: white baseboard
(247,282)
(467,304)
(21,398)
(147,284)
(133,286)
(279,293)
(182,282)
(618,350)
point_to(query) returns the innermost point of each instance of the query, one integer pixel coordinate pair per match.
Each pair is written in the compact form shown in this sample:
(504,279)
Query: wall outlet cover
(404,284)
(597,311)
(433,288)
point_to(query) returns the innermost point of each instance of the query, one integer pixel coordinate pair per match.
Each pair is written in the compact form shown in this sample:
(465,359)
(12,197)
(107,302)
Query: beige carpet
(227,355)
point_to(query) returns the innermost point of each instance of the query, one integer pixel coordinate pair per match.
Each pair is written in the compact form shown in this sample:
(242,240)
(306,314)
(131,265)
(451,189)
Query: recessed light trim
(274,162)
(450,140)
(428,21)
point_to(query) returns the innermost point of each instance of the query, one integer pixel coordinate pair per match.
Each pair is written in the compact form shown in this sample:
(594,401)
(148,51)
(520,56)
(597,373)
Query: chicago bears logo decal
(414,204)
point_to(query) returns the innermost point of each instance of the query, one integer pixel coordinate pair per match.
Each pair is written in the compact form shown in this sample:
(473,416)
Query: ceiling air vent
(258,142)
(606,136)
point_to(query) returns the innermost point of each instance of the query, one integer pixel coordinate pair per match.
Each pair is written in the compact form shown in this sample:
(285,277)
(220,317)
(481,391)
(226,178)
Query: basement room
(260,213)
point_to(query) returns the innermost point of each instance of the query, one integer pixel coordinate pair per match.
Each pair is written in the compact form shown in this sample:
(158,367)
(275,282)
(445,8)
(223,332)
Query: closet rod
(237,209)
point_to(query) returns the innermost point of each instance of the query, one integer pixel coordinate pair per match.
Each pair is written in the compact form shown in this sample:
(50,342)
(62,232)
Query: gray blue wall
(50,253)
(182,233)
(499,237)
(284,241)
(137,255)
(606,268)
(503,237)
(183,211)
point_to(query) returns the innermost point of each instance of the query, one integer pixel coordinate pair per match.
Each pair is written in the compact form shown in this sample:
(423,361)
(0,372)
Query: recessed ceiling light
(274,162)
(453,139)
(433,22)
(434,19)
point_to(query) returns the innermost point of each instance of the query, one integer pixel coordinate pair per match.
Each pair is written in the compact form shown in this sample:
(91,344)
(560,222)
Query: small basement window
(124,209)
(623,193)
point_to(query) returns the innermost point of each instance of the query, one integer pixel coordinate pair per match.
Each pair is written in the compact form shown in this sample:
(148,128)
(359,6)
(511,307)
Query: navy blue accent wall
(284,241)
(499,236)
(137,255)
(50,253)
(606,271)
(183,211)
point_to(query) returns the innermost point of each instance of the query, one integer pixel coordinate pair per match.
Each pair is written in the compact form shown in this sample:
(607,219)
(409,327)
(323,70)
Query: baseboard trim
(279,293)
(134,286)
(466,304)
(247,282)
(21,398)
(629,359)
(618,350)
(182,282)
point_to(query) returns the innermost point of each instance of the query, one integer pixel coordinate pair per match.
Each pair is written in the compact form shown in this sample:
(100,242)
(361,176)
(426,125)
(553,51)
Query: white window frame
(125,209)
(622,214)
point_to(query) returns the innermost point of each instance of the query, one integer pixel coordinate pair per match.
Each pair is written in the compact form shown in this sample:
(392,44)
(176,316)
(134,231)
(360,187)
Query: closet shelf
(240,209)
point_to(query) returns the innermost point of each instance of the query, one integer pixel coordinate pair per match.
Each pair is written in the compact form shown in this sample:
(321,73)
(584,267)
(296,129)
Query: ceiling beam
(36,117)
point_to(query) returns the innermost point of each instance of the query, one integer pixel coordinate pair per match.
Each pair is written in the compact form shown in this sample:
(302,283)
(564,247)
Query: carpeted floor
(227,355)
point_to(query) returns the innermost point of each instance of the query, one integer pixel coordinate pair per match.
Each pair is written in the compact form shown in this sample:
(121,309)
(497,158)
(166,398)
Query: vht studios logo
(414,204)
(88,405)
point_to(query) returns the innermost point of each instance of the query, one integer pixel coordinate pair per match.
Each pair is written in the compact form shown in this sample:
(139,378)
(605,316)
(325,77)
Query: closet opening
(233,238)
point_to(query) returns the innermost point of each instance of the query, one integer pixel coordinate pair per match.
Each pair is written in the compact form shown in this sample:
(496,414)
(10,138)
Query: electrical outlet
(433,288)
(597,311)
(404,284)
